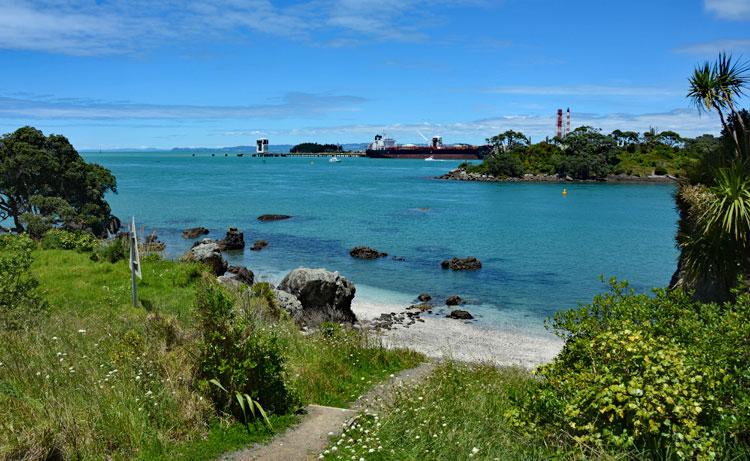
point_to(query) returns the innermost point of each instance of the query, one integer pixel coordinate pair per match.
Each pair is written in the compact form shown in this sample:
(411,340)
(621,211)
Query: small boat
(430,159)
(334,159)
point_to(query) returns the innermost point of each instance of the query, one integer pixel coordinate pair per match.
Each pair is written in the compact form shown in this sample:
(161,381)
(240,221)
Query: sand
(441,338)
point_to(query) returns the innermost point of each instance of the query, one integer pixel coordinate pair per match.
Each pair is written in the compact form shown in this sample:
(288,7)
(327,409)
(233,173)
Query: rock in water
(324,295)
(273,217)
(454,300)
(424,297)
(460,315)
(259,245)
(208,252)
(462,264)
(234,240)
(194,232)
(241,273)
(366,253)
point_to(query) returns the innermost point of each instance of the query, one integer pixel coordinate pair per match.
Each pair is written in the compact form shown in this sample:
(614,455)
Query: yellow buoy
(565,192)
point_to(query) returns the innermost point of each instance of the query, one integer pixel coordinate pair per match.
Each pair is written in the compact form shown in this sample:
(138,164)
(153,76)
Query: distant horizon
(129,75)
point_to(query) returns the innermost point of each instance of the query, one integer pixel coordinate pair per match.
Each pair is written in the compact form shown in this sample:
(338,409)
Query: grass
(99,378)
(457,413)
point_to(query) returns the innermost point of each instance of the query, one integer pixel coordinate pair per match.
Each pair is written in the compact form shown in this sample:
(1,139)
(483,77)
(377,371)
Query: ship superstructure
(385,147)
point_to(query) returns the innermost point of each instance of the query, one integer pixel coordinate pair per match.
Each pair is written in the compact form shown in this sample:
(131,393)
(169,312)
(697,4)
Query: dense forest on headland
(315,148)
(586,153)
(200,367)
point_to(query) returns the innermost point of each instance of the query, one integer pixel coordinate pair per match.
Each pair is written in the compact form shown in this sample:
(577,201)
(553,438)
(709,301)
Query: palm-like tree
(715,218)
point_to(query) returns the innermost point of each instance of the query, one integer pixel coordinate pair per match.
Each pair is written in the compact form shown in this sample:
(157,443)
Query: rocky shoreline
(459,174)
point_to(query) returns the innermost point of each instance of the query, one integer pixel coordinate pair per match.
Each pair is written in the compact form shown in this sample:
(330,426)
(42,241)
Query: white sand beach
(439,337)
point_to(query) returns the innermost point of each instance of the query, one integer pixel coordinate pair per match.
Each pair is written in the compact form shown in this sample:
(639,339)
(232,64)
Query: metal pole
(132,270)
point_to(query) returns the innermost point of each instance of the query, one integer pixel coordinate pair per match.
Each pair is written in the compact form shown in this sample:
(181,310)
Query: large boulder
(462,264)
(234,240)
(459,314)
(272,217)
(324,295)
(366,253)
(289,303)
(241,273)
(208,252)
(194,232)
(454,300)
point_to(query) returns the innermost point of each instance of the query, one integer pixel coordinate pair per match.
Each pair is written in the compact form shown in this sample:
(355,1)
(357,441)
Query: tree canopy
(315,148)
(44,182)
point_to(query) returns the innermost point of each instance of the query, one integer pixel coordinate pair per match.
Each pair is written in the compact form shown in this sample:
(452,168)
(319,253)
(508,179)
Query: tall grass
(99,378)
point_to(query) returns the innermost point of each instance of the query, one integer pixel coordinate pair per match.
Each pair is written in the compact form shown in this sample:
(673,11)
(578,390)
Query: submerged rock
(194,232)
(462,264)
(208,252)
(454,300)
(460,315)
(324,295)
(259,245)
(366,253)
(273,217)
(424,297)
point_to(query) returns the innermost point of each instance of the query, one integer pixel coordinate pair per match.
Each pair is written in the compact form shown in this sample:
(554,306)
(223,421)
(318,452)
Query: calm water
(541,251)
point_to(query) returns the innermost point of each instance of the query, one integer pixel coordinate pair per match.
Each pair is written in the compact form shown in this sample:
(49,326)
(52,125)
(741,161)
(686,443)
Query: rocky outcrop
(194,232)
(454,300)
(366,253)
(424,297)
(272,217)
(152,243)
(241,273)
(234,240)
(208,252)
(462,264)
(324,295)
(289,303)
(459,174)
(259,245)
(460,315)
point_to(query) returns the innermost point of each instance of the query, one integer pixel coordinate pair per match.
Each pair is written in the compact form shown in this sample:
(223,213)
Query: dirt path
(307,439)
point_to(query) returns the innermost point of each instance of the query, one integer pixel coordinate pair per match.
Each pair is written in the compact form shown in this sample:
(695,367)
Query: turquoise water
(542,252)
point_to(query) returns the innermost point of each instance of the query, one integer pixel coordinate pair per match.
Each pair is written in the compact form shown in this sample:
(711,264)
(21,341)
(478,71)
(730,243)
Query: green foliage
(587,154)
(60,239)
(663,376)
(112,251)
(239,353)
(315,148)
(20,301)
(44,182)
(246,404)
(502,164)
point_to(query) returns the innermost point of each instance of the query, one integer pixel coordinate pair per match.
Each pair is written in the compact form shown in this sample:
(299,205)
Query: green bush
(663,376)
(112,251)
(59,239)
(504,164)
(240,354)
(20,301)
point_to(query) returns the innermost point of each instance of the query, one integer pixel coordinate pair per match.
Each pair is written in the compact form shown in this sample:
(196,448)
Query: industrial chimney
(559,124)
(567,123)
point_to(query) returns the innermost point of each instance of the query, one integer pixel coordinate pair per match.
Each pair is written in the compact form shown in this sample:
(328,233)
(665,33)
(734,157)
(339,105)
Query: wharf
(319,154)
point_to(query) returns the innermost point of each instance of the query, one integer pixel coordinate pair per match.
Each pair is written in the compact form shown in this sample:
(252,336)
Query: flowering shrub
(20,301)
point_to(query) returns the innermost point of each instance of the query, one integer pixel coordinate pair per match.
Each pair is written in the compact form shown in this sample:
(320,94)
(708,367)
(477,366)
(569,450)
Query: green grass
(457,413)
(98,378)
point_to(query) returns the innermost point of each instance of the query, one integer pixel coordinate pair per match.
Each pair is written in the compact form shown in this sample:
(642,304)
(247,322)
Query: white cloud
(586,90)
(715,47)
(733,10)
(85,27)
(293,104)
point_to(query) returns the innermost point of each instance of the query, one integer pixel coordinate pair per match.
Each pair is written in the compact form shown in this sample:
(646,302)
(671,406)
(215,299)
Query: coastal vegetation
(45,183)
(588,154)
(86,375)
(315,148)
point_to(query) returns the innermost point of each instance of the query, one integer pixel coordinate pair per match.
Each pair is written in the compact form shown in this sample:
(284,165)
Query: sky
(143,74)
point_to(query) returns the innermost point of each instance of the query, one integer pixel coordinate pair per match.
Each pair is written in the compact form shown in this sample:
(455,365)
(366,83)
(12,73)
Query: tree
(669,138)
(587,154)
(509,140)
(504,164)
(45,182)
(714,206)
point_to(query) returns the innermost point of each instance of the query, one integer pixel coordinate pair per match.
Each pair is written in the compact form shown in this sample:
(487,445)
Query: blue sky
(112,74)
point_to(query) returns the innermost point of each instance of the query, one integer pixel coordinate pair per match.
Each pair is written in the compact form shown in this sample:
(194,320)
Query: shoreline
(459,174)
(443,338)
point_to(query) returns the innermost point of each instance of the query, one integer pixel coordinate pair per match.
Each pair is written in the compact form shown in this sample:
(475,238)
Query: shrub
(504,164)
(660,170)
(20,301)
(60,239)
(112,251)
(664,376)
(240,354)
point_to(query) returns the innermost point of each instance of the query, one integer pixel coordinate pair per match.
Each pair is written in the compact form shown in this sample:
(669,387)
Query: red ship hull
(443,153)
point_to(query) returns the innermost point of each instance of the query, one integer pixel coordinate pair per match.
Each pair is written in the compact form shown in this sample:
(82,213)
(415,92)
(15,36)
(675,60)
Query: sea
(541,251)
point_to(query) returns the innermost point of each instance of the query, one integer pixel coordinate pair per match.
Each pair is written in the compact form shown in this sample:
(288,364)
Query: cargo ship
(383,147)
